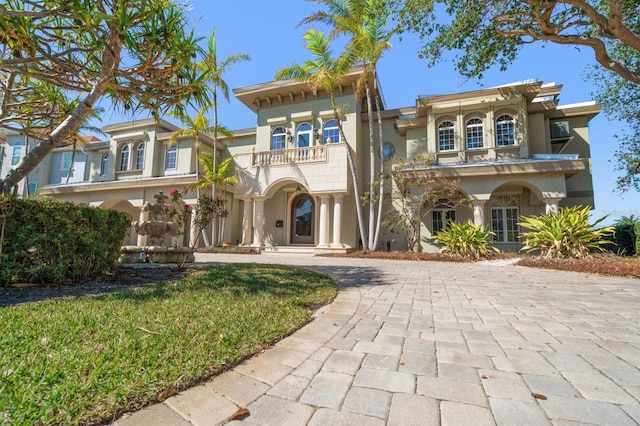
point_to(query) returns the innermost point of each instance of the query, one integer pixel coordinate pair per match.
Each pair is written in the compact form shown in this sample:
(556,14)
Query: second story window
(16,154)
(172,158)
(104,165)
(140,156)
(505,130)
(66,160)
(331,132)
(446,136)
(278,138)
(303,135)
(475,133)
(124,158)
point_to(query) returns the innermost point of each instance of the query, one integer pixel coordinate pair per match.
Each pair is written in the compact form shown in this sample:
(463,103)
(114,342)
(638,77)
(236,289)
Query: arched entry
(302,215)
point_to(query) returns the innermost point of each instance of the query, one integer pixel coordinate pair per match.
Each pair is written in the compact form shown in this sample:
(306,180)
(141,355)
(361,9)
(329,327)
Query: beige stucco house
(513,150)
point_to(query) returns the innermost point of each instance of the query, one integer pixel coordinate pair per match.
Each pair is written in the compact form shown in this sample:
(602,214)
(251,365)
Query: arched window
(278,140)
(505,130)
(504,220)
(16,154)
(446,136)
(303,135)
(172,157)
(475,133)
(104,166)
(331,132)
(443,212)
(124,158)
(140,157)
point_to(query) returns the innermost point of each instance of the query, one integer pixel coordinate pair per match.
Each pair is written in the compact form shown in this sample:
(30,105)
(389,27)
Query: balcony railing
(310,154)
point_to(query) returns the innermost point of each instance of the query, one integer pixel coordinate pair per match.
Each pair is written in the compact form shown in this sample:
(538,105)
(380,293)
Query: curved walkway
(432,343)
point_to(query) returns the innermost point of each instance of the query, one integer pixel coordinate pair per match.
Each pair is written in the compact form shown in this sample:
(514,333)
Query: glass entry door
(302,214)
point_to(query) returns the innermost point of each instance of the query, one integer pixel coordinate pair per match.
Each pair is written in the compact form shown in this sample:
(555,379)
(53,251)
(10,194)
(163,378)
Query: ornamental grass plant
(89,359)
(466,239)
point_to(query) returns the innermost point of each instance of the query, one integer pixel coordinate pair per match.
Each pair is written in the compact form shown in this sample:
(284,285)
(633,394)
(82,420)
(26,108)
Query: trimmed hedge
(49,241)
(637,232)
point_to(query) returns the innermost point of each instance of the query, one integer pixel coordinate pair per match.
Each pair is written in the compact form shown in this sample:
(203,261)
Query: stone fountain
(157,242)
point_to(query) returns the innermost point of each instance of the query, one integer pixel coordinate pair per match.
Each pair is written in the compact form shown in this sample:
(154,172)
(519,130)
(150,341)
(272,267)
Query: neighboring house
(512,150)
(13,148)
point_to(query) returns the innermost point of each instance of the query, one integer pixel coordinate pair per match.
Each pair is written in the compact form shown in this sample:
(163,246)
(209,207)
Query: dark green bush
(625,239)
(48,241)
(636,229)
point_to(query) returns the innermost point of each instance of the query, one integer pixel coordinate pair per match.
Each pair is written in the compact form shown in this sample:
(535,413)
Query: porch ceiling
(76,188)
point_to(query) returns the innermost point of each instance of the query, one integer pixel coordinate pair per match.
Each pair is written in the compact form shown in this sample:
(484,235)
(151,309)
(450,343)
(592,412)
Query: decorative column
(258,222)
(551,205)
(337,221)
(247,221)
(478,212)
(141,238)
(323,228)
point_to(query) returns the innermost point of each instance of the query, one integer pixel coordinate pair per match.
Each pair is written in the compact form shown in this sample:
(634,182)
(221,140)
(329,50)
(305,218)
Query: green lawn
(67,361)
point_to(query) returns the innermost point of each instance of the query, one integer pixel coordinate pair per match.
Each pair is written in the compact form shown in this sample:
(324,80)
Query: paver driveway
(430,343)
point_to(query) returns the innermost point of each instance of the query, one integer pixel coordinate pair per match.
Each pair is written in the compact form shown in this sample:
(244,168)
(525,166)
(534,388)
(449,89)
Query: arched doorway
(302,219)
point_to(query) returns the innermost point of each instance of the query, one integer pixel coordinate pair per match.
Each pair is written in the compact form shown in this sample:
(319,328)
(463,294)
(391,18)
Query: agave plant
(564,234)
(466,239)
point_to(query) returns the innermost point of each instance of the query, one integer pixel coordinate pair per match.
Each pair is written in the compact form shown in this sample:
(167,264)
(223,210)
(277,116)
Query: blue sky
(267,31)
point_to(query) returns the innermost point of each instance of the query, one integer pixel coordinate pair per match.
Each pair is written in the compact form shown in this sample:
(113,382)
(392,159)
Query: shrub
(564,234)
(624,239)
(50,241)
(465,239)
(636,230)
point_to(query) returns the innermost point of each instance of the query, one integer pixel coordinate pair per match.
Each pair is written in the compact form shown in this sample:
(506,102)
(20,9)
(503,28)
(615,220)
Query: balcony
(320,169)
(310,154)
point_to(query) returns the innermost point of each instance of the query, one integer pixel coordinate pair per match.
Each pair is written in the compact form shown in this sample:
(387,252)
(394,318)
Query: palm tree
(364,22)
(212,70)
(223,175)
(193,127)
(323,72)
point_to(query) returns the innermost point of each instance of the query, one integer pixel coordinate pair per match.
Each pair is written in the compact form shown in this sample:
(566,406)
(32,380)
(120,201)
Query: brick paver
(434,343)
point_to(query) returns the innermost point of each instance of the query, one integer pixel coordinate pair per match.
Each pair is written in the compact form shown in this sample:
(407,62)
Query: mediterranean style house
(512,150)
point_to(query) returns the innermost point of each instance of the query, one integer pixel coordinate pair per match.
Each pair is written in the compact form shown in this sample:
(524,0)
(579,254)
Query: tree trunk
(372,170)
(381,146)
(214,192)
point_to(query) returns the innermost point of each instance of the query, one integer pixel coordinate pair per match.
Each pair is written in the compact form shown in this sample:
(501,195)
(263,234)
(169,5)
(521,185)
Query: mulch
(117,280)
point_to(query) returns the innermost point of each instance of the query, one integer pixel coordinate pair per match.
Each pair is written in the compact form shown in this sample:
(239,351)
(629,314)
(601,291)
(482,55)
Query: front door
(302,213)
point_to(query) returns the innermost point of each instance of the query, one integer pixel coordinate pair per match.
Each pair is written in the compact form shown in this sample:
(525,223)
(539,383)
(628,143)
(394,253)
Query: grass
(84,360)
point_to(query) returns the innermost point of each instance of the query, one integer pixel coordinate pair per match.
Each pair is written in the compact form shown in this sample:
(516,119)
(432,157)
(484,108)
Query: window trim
(64,157)
(140,156)
(471,126)
(326,128)
(302,133)
(452,129)
(504,204)
(104,164)
(512,124)
(443,206)
(16,153)
(281,143)
(171,151)
(124,160)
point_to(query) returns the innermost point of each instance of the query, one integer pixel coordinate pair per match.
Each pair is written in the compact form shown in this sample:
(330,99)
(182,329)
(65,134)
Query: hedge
(53,242)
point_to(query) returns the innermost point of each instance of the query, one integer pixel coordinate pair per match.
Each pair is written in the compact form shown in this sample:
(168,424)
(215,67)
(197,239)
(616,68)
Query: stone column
(141,238)
(337,221)
(247,222)
(323,226)
(258,222)
(478,212)
(551,204)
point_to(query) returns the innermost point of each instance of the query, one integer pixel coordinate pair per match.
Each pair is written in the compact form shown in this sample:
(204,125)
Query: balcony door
(302,214)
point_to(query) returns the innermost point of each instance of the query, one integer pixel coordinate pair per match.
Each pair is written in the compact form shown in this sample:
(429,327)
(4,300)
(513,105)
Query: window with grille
(446,136)
(475,133)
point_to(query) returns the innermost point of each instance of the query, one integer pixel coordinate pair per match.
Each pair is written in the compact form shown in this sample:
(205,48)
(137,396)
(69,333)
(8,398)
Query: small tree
(416,189)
